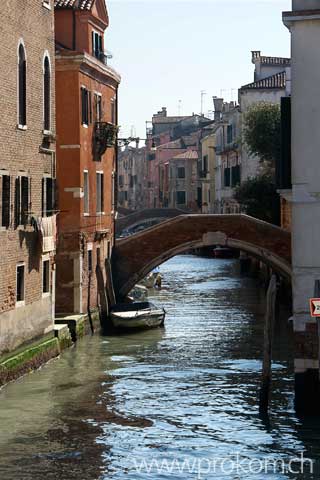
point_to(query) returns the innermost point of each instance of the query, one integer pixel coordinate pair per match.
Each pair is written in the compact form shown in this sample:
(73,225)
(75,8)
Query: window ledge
(47,132)
(22,127)
(86,214)
(20,304)
(46,294)
(46,5)
(3,229)
(100,213)
(85,125)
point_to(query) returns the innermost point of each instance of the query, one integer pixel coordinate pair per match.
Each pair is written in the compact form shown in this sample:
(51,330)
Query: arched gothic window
(46,94)
(22,86)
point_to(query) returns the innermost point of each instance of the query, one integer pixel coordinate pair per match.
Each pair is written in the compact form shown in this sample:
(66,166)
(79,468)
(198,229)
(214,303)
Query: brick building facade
(86,89)
(27,170)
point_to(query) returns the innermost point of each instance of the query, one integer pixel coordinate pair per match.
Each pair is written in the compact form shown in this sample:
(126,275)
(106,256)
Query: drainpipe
(115,180)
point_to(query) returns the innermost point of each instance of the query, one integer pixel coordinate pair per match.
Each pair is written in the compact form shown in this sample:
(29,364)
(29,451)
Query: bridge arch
(136,256)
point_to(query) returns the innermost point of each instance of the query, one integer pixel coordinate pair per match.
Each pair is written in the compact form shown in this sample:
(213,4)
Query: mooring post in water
(268,344)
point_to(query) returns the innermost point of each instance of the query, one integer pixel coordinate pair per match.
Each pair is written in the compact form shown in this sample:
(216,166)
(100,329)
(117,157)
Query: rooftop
(189,155)
(265,60)
(160,119)
(173,144)
(277,81)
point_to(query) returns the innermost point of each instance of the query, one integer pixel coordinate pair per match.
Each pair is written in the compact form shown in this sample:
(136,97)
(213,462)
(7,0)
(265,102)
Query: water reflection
(186,392)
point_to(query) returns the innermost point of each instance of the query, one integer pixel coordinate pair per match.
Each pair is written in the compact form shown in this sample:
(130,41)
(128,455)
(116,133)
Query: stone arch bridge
(134,257)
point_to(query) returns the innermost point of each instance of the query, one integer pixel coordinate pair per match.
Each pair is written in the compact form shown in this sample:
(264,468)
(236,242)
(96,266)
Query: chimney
(256,54)
(164,111)
(218,105)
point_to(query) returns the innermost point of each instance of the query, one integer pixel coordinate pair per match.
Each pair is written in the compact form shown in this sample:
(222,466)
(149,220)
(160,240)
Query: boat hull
(141,322)
(137,316)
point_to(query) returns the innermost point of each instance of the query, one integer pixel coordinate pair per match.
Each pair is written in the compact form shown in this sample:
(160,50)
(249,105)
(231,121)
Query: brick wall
(28,22)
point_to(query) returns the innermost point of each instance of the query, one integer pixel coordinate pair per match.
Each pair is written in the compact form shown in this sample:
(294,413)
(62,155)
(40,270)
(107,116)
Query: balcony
(104,136)
(102,56)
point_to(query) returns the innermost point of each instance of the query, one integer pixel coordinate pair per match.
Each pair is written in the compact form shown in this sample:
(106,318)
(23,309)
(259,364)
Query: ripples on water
(188,392)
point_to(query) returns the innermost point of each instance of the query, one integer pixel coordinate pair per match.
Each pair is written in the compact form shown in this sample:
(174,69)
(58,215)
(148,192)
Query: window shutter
(100,43)
(17,202)
(43,202)
(24,199)
(83,105)
(86,107)
(93,45)
(5,201)
(90,106)
(102,192)
(54,195)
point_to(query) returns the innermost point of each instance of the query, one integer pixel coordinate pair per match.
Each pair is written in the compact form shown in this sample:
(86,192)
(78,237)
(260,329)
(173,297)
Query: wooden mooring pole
(268,345)
(317,295)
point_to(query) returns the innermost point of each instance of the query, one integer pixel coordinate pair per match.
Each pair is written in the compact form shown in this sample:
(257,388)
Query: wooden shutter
(17,202)
(102,191)
(54,195)
(93,43)
(100,44)
(43,200)
(90,106)
(5,201)
(24,199)
(84,105)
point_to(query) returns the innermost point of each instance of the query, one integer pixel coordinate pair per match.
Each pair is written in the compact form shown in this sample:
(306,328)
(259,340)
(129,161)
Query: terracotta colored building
(86,92)
(27,171)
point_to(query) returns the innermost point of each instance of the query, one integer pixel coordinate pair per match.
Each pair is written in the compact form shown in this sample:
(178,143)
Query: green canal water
(173,403)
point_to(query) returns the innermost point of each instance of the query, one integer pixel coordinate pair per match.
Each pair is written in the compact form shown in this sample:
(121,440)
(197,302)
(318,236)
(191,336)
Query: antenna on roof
(179,108)
(203,93)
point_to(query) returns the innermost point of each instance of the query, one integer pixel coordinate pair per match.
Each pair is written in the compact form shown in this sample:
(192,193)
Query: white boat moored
(137,315)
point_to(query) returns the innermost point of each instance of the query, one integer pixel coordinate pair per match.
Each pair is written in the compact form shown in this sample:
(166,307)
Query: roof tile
(189,155)
(274,82)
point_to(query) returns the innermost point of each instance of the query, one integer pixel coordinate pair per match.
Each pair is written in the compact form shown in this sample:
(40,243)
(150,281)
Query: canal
(178,402)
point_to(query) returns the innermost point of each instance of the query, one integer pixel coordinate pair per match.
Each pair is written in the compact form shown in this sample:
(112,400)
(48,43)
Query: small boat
(138,315)
(152,280)
(139,293)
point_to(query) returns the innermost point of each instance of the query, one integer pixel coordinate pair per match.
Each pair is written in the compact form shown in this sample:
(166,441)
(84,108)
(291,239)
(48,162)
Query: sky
(168,51)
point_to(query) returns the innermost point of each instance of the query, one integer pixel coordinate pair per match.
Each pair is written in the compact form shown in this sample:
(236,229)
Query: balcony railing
(104,136)
(102,56)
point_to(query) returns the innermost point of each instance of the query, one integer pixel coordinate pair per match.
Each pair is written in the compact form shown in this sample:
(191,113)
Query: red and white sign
(315,307)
